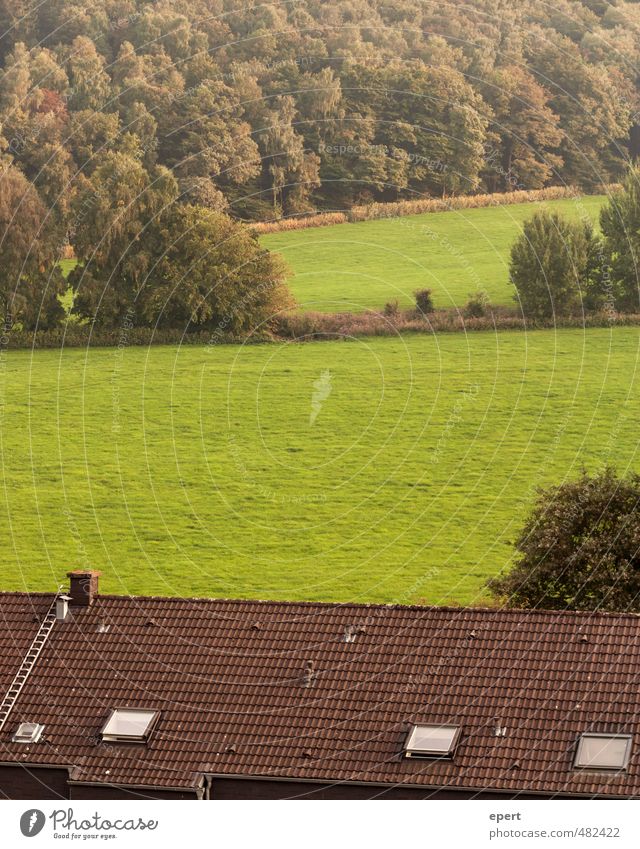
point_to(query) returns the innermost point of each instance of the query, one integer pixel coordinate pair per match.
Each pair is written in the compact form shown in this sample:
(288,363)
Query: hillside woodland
(124,122)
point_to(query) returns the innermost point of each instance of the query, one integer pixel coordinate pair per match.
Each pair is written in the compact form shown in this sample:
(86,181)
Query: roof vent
(499,730)
(102,627)
(28,732)
(353,631)
(307,678)
(62,607)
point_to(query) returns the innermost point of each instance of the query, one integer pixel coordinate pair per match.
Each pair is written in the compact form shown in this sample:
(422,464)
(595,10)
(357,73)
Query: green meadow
(353,267)
(383,470)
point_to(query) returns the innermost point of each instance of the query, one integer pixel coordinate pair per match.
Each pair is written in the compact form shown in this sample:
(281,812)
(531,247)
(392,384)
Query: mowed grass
(365,265)
(383,470)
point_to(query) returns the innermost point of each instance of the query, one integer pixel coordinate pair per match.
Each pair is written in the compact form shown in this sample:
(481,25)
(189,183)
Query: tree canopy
(550,265)
(30,280)
(620,225)
(263,100)
(263,111)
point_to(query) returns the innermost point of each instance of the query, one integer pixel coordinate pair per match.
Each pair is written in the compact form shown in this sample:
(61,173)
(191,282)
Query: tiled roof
(20,615)
(273,689)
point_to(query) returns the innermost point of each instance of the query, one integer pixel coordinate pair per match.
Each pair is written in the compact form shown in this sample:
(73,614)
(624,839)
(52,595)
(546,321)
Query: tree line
(123,120)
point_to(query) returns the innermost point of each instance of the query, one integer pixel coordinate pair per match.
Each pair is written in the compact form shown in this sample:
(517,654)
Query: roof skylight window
(603,751)
(28,732)
(432,741)
(127,725)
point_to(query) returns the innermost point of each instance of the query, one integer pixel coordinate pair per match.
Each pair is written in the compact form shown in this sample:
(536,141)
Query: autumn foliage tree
(30,281)
(524,131)
(113,212)
(210,272)
(579,548)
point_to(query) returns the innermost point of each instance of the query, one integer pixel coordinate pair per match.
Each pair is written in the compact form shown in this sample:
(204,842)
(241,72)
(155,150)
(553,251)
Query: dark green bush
(424,301)
(579,548)
(478,305)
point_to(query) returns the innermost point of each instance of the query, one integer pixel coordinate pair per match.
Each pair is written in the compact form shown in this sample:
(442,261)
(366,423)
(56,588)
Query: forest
(124,121)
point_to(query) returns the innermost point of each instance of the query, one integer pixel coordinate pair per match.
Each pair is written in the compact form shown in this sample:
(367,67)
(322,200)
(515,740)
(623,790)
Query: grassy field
(391,470)
(362,266)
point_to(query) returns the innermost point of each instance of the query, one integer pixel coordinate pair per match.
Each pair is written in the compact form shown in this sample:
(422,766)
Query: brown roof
(229,680)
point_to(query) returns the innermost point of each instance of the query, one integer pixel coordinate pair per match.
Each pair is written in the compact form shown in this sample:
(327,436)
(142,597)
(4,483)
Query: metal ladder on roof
(28,662)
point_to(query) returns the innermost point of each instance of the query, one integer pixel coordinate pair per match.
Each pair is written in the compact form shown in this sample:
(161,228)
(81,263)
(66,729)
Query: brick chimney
(83,587)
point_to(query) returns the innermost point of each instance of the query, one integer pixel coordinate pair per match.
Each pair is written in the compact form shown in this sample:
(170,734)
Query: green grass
(198,472)
(362,266)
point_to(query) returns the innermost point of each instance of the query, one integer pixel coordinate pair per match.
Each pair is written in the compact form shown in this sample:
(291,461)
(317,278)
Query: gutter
(191,788)
(204,790)
(140,787)
(543,794)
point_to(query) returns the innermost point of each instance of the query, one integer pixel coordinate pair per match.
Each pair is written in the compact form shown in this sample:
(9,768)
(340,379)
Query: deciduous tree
(550,265)
(30,281)
(210,272)
(579,548)
(620,225)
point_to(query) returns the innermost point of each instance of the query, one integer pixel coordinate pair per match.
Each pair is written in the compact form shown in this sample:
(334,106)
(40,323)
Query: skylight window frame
(113,737)
(433,754)
(590,767)
(33,738)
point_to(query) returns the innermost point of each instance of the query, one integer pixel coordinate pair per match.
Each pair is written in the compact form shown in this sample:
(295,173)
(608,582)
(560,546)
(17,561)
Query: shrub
(372,211)
(321,220)
(424,301)
(579,548)
(397,209)
(550,265)
(477,306)
(291,325)
(392,309)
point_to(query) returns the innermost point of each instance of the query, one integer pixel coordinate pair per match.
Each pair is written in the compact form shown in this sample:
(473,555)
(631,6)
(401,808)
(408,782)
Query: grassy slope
(198,472)
(364,265)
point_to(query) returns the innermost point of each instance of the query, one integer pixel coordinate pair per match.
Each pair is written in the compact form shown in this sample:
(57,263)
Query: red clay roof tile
(233,701)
